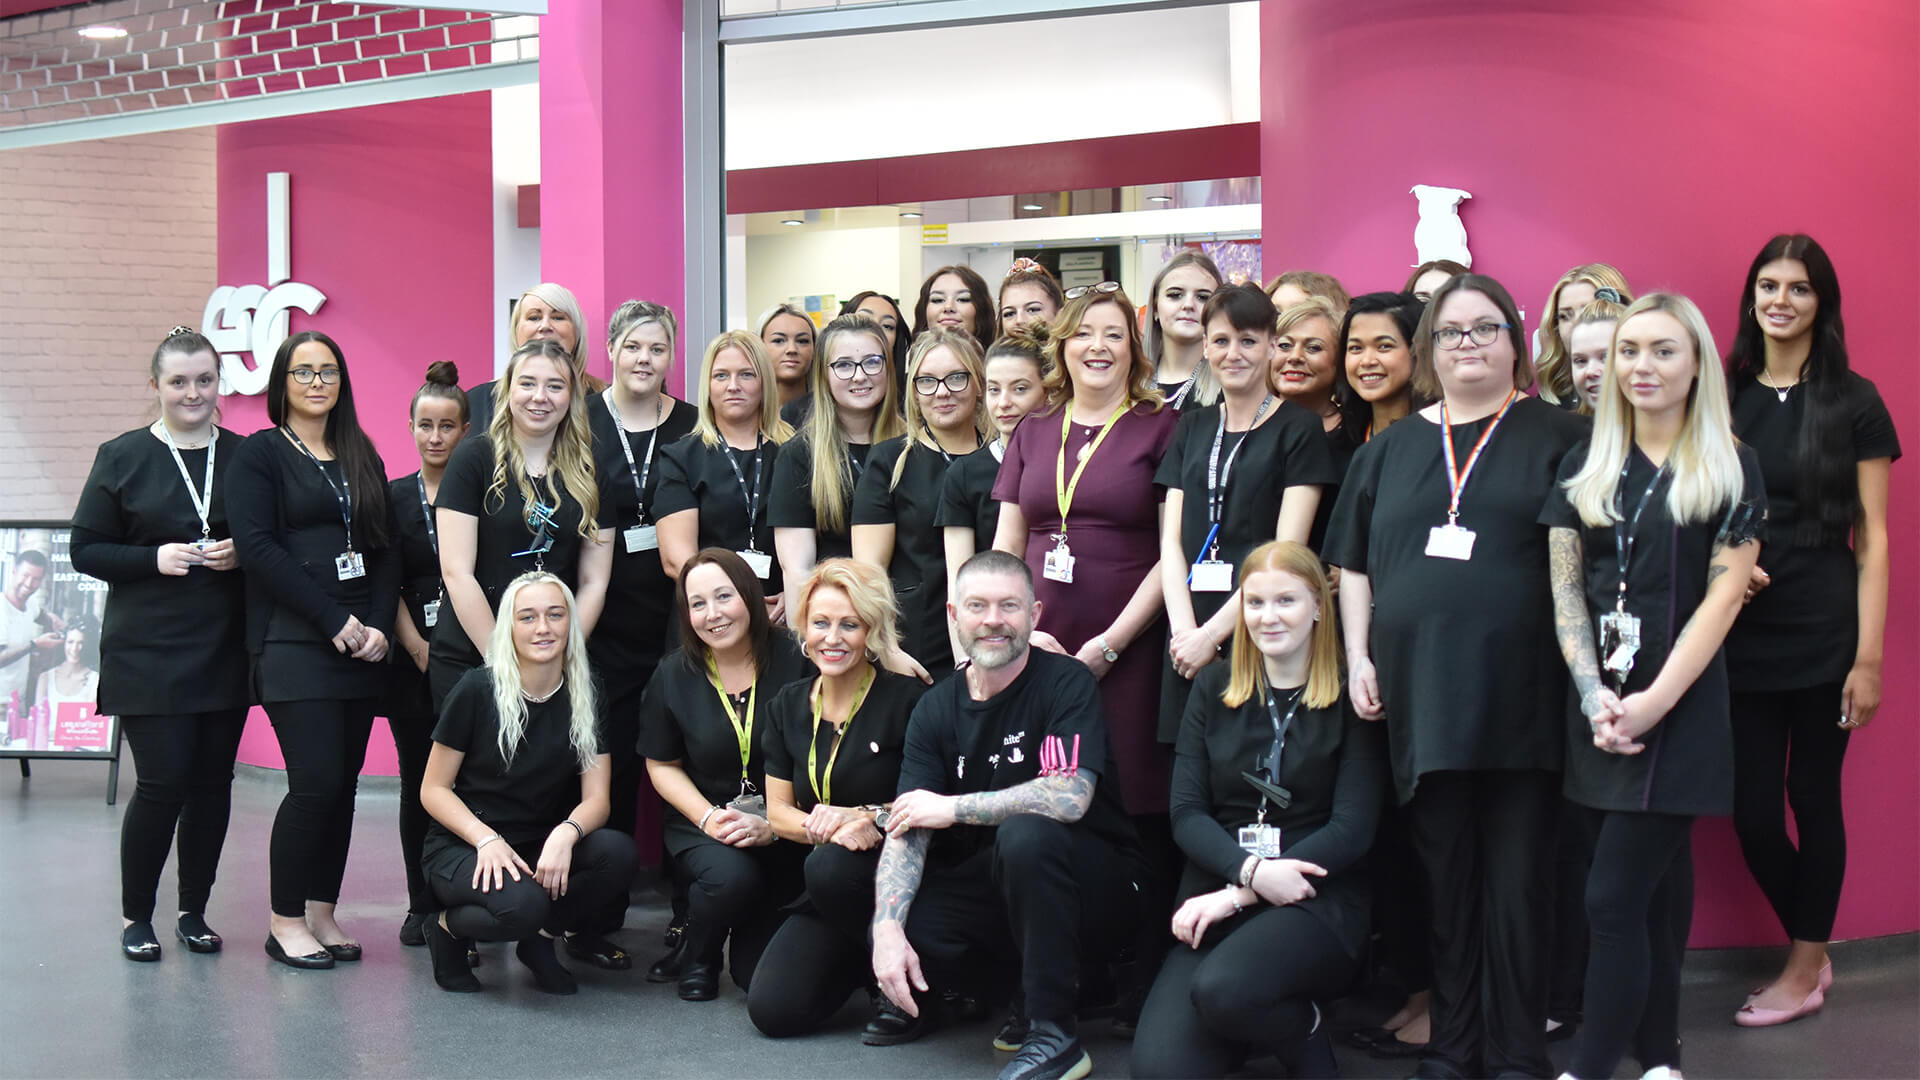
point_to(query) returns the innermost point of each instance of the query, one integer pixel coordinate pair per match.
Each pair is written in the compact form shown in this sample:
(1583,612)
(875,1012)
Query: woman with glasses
(1029,294)
(898,495)
(955,298)
(546,311)
(1576,289)
(703,732)
(885,311)
(1448,624)
(1277,788)
(715,485)
(854,407)
(307,498)
(1175,332)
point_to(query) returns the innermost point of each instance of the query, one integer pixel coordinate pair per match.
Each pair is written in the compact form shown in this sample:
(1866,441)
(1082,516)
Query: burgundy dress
(1113,532)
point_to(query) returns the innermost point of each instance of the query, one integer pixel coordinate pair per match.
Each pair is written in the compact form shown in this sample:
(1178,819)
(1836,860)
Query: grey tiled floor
(71,1006)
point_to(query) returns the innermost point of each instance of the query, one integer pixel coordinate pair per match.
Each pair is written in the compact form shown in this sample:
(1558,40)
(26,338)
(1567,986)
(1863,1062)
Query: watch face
(880,819)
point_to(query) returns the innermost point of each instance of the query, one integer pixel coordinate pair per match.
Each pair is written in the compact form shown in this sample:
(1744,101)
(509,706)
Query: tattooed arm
(1566,569)
(1061,798)
(895,965)
(1698,641)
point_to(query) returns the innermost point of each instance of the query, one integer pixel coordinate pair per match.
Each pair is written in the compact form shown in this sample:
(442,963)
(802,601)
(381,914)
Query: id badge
(759,562)
(1058,566)
(430,613)
(1211,575)
(1619,641)
(1450,542)
(755,804)
(1260,841)
(640,538)
(349,566)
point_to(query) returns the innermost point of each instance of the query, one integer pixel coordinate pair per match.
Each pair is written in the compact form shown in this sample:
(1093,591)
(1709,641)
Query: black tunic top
(1802,629)
(524,799)
(695,476)
(681,719)
(167,644)
(1687,766)
(919,565)
(1340,449)
(958,746)
(1287,450)
(631,635)
(1333,764)
(792,498)
(966,497)
(407,691)
(1470,671)
(288,532)
(503,531)
(867,770)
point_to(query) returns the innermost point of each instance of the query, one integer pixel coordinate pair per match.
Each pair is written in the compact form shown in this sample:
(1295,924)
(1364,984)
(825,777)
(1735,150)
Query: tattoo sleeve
(897,879)
(1062,798)
(1566,562)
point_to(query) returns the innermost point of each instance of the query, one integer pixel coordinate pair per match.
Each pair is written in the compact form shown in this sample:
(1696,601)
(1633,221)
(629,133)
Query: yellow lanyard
(744,731)
(1063,488)
(823,781)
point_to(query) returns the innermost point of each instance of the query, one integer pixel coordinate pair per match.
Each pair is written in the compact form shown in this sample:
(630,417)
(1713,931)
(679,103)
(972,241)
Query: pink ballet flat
(1826,982)
(1750,1016)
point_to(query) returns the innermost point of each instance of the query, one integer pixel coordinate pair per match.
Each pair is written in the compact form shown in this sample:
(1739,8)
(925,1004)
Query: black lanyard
(1623,530)
(1271,766)
(935,440)
(426,512)
(752,496)
(1218,475)
(343,491)
(640,474)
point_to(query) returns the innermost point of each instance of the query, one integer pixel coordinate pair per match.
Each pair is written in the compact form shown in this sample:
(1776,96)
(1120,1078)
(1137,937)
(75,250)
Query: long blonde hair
(965,350)
(832,464)
(503,670)
(1704,463)
(775,429)
(1555,365)
(1247,673)
(571,459)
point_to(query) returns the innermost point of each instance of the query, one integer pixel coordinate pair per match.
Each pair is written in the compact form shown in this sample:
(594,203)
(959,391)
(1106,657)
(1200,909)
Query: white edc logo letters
(242,319)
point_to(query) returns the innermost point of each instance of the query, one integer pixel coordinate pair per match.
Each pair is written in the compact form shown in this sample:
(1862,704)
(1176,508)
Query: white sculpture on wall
(1440,233)
(241,319)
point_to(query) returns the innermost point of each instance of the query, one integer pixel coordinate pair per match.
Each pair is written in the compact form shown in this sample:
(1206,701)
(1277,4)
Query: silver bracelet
(484,843)
(711,810)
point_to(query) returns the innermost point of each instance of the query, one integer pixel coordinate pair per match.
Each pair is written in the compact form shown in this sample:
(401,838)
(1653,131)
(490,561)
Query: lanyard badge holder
(540,520)
(750,800)
(758,561)
(349,564)
(202,499)
(1452,540)
(1058,564)
(1209,573)
(1619,629)
(1260,839)
(430,611)
(639,536)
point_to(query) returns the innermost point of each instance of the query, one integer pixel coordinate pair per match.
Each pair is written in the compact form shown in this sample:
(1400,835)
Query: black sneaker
(1049,1053)
(1013,1031)
(891,1026)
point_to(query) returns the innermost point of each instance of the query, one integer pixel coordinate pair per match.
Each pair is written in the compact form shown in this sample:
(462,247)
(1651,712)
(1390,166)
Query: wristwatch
(881,816)
(1106,650)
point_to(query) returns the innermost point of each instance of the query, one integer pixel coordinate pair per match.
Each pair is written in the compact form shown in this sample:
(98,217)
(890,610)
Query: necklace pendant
(1783,394)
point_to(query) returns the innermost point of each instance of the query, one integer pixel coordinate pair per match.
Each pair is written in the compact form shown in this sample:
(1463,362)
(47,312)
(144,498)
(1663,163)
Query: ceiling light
(103,32)
(1159,198)
(1031,206)
(909,213)
(792,221)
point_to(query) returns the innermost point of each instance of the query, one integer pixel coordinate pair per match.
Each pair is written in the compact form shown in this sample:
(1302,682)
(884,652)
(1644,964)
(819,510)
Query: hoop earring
(804,652)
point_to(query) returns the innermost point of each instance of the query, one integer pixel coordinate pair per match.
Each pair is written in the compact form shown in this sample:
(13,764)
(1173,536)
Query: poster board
(50,620)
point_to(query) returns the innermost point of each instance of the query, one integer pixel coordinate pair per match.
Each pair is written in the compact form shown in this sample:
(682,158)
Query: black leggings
(1249,987)
(602,866)
(1640,906)
(1791,742)
(737,894)
(1572,863)
(412,742)
(324,744)
(820,955)
(183,776)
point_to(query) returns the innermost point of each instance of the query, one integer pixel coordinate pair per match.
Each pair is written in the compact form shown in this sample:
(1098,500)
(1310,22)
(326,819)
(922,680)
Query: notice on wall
(50,618)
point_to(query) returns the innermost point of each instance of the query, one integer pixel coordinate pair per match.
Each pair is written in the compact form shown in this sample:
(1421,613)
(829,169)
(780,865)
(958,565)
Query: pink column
(1670,139)
(611,173)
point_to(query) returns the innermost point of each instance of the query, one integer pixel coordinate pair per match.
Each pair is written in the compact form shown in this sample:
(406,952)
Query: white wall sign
(243,319)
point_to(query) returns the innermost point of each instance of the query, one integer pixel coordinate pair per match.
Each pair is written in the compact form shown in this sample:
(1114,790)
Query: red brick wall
(104,245)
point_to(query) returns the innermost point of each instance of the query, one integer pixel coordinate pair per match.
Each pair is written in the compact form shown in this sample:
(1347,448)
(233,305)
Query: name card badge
(349,566)
(431,613)
(759,562)
(642,538)
(1058,566)
(1261,841)
(1450,542)
(1211,575)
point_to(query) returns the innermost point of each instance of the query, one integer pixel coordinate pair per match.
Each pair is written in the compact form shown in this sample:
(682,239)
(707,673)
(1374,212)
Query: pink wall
(1671,138)
(392,220)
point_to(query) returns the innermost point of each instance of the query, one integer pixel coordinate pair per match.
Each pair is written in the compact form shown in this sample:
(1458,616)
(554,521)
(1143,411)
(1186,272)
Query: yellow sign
(933,234)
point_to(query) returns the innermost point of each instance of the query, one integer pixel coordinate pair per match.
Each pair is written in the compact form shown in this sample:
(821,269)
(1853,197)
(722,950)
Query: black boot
(549,974)
(450,968)
(668,967)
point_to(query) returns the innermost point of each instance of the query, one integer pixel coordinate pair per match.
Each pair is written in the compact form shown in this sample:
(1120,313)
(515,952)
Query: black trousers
(628,784)
(1043,896)
(1640,905)
(1400,908)
(820,955)
(737,896)
(183,768)
(1791,742)
(412,742)
(602,865)
(1572,861)
(1251,986)
(324,744)
(1485,840)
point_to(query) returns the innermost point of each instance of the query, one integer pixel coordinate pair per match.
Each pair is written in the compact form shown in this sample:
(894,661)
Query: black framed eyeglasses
(305,375)
(844,369)
(1101,289)
(929,385)
(1480,334)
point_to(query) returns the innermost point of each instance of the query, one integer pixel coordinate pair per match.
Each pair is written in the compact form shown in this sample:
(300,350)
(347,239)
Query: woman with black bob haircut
(1373,384)
(1810,642)
(956,298)
(308,501)
(518,739)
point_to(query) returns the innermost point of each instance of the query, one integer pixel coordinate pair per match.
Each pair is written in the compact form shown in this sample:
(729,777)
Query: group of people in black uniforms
(1194,663)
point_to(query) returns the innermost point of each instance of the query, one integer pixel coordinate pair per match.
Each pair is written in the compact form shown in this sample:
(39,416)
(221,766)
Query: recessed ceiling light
(1159,198)
(103,32)
(909,213)
(792,221)
(1031,206)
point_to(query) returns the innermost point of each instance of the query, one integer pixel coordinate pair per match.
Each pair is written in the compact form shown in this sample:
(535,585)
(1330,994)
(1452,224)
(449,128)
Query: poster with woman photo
(50,617)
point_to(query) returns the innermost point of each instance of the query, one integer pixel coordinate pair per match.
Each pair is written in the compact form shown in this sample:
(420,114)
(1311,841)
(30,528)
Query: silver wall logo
(243,319)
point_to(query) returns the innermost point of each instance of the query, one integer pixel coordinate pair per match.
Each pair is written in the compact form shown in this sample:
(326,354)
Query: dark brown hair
(986,315)
(443,383)
(759,627)
(1425,382)
(360,463)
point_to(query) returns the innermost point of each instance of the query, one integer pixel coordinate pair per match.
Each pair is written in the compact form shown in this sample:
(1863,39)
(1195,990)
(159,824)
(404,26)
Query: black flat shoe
(137,942)
(891,1026)
(599,952)
(449,953)
(413,932)
(700,982)
(313,961)
(668,967)
(549,974)
(198,936)
(676,932)
(345,954)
